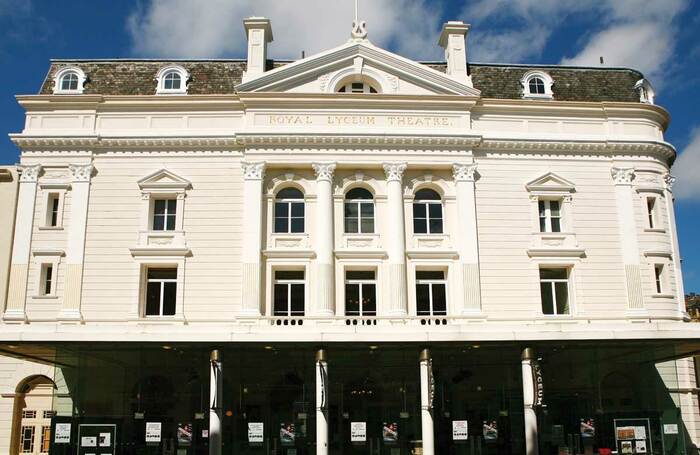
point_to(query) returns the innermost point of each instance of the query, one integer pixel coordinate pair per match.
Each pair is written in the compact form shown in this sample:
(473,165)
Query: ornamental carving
(463,172)
(81,173)
(29,174)
(394,171)
(669,180)
(359,29)
(253,171)
(623,176)
(324,171)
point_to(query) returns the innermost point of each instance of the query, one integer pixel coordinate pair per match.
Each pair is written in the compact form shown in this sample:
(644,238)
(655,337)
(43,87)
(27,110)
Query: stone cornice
(263,139)
(96,143)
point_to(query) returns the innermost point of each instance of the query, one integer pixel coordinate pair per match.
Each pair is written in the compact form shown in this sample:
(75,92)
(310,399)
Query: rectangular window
(164,213)
(431,295)
(550,216)
(47,279)
(289,217)
(49,414)
(651,212)
(554,287)
(27,440)
(659,278)
(289,293)
(53,205)
(28,414)
(161,292)
(45,438)
(360,293)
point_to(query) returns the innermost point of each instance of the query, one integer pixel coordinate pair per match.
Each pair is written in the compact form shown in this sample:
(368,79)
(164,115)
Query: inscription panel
(380,121)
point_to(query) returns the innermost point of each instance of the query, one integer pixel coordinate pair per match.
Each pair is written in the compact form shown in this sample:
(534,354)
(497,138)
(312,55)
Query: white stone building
(370,212)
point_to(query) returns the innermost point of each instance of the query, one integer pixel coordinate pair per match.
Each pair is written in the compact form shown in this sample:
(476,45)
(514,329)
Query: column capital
(394,171)
(622,175)
(81,172)
(669,180)
(324,171)
(463,172)
(29,173)
(253,170)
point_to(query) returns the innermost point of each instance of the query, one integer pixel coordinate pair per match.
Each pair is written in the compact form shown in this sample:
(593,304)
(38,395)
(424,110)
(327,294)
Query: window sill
(50,228)
(663,296)
(533,96)
(555,318)
(45,297)
(657,230)
(159,320)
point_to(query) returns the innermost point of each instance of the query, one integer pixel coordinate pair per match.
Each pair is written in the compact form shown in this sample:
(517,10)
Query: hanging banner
(431,384)
(324,385)
(358,431)
(490,430)
(460,430)
(153,431)
(390,432)
(587,428)
(287,434)
(538,384)
(184,433)
(256,432)
(62,435)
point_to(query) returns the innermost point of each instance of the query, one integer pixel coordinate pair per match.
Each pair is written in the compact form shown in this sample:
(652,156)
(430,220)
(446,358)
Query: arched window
(427,212)
(359,212)
(69,82)
(537,84)
(172,80)
(357,87)
(289,211)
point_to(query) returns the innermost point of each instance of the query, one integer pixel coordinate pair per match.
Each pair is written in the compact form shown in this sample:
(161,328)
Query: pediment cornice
(292,74)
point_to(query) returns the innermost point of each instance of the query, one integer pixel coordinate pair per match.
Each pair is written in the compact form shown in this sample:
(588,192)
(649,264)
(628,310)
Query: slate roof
(137,77)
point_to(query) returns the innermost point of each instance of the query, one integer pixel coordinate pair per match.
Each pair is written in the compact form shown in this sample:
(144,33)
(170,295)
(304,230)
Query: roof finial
(359,28)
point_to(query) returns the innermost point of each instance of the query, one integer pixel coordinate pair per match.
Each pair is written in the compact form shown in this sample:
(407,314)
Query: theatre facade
(351,253)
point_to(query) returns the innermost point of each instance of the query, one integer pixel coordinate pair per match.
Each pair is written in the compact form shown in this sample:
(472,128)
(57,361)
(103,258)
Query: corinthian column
(624,199)
(75,253)
(324,239)
(670,212)
(17,288)
(253,174)
(396,242)
(468,240)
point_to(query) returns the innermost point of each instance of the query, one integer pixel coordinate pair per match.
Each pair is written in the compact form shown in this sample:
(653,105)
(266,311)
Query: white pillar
(253,174)
(624,198)
(216,383)
(75,252)
(427,393)
(531,441)
(396,240)
(321,403)
(21,247)
(675,249)
(324,239)
(468,240)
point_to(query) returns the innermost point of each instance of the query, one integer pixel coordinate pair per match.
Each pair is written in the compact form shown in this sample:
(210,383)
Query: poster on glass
(460,430)
(490,430)
(256,432)
(184,434)
(358,432)
(587,429)
(390,432)
(287,433)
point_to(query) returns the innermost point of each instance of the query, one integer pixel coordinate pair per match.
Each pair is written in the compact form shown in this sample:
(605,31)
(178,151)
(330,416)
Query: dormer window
(172,80)
(537,85)
(69,81)
(357,87)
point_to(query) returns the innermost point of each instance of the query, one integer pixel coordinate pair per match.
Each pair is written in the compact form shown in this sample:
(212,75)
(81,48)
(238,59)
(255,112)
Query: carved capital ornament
(622,176)
(253,170)
(29,174)
(394,171)
(81,173)
(463,172)
(324,171)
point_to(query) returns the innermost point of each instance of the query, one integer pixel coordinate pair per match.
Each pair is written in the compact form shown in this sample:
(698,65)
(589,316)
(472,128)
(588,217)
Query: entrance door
(35,424)
(96,439)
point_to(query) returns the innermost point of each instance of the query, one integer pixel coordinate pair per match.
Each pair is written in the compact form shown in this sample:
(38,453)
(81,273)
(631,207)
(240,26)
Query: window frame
(289,203)
(552,282)
(361,283)
(162,282)
(426,203)
(430,282)
(167,216)
(546,79)
(548,217)
(660,279)
(43,259)
(161,79)
(358,203)
(61,74)
(350,88)
(58,192)
(288,282)
(24,439)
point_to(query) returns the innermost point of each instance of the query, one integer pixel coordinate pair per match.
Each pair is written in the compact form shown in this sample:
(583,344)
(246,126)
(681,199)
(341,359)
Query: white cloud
(182,28)
(687,169)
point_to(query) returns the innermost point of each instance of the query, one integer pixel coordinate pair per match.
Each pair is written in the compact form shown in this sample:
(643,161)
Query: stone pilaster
(21,247)
(396,242)
(253,174)
(676,259)
(468,237)
(324,239)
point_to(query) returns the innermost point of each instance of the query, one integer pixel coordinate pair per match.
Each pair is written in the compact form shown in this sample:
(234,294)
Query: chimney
(454,40)
(259,33)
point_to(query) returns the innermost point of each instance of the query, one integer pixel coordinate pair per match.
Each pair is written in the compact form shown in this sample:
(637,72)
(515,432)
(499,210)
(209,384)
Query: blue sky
(658,37)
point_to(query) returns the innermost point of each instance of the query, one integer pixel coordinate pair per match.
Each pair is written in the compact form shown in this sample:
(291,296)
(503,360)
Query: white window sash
(289,217)
(548,215)
(430,284)
(362,283)
(428,218)
(288,284)
(162,282)
(359,217)
(552,283)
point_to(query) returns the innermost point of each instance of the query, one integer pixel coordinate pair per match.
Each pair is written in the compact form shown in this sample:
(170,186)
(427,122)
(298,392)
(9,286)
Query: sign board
(153,431)
(358,431)
(105,440)
(670,428)
(256,432)
(62,435)
(538,384)
(88,441)
(460,430)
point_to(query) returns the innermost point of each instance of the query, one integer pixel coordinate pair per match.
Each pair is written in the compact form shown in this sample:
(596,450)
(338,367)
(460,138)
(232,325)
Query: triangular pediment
(321,72)
(163,179)
(550,182)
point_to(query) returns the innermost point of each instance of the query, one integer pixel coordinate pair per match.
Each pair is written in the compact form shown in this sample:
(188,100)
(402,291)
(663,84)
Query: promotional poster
(184,433)
(255,432)
(460,430)
(358,431)
(587,428)
(490,430)
(287,433)
(390,432)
